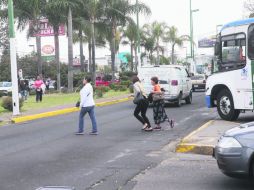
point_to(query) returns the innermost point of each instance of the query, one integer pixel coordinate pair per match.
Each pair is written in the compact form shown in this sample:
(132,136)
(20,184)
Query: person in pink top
(38,88)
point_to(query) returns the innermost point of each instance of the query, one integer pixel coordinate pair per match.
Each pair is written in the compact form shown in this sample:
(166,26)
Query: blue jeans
(91,113)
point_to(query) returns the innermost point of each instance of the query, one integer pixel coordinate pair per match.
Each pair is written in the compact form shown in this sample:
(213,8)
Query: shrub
(7,103)
(125,78)
(32,92)
(126,83)
(131,89)
(112,86)
(99,92)
(123,88)
(64,90)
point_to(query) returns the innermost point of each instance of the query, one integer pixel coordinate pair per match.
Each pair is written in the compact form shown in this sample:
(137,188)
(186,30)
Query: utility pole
(191,31)
(13,56)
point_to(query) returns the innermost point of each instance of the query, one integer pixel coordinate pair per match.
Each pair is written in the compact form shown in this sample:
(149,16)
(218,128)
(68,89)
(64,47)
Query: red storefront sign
(47,30)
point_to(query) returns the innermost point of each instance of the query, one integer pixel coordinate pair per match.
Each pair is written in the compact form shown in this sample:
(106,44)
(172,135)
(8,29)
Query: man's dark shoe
(93,133)
(79,133)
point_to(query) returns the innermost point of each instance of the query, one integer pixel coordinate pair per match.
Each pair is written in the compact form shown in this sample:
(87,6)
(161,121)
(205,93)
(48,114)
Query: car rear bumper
(171,98)
(198,86)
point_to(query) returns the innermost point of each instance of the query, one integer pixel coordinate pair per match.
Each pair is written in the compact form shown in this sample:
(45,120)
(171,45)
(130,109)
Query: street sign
(206,43)
(47,30)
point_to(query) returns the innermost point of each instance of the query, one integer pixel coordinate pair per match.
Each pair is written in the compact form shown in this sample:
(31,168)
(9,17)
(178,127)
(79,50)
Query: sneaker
(79,133)
(157,128)
(148,129)
(93,133)
(145,126)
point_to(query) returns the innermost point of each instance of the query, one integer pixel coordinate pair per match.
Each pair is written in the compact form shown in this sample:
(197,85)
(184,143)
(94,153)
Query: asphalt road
(46,152)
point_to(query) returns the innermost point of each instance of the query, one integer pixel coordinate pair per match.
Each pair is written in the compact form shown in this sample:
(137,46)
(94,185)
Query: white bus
(230,88)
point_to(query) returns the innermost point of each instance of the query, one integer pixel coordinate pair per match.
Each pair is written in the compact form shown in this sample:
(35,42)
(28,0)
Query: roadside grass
(52,100)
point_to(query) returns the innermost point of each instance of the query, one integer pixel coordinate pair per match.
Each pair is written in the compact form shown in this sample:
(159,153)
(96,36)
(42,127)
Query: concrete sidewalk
(202,140)
(58,110)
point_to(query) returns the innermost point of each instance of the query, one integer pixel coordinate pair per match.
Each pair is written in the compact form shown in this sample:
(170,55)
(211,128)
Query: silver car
(235,151)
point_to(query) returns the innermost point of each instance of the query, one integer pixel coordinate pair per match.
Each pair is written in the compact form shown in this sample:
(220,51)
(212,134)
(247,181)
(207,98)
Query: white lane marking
(126,152)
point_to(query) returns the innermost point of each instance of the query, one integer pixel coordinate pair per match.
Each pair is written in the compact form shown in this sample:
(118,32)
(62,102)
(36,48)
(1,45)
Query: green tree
(56,18)
(25,16)
(130,32)
(118,13)
(65,7)
(155,32)
(172,37)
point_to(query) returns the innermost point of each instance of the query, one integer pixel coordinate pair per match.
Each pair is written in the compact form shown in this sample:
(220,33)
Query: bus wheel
(225,106)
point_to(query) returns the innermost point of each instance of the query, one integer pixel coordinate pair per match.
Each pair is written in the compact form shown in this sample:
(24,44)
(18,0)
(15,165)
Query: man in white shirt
(87,106)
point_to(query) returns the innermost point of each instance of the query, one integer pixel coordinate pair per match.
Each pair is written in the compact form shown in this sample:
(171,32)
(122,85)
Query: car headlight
(229,142)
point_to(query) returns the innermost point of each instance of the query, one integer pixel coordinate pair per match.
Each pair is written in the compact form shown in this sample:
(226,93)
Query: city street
(46,152)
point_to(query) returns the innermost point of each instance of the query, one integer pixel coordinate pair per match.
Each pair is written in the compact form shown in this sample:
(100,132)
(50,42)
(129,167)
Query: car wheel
(225,106)
(188,100)
(179,101)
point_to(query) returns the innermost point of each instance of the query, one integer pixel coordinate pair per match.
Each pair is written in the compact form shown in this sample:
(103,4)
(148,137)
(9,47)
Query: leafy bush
(112,86)
(123,88)
(64,90)
(7,103)
(126,83)
(124,78)
(131,89)
(99,92)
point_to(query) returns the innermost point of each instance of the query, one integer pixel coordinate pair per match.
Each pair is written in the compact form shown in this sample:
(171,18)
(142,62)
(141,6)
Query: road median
(204,139)
(22,119)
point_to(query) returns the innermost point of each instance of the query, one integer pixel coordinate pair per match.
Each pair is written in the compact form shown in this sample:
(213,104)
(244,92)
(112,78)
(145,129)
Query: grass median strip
(63,111)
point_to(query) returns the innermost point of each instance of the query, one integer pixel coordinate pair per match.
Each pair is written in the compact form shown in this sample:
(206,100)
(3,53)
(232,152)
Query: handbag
(157,97)
(138,98)
(78,104)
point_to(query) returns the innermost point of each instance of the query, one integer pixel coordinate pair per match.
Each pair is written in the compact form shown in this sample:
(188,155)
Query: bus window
(233,52)
(251,42)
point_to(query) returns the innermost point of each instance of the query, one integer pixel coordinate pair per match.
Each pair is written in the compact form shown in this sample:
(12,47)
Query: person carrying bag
(141,101)
(159,113)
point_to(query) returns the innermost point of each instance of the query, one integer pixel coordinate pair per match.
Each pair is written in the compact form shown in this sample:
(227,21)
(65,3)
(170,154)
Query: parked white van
(174,79)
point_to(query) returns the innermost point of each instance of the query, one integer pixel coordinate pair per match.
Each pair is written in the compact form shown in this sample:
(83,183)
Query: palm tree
(156,32)
(148,42)
(56,18)
(25,15)
(172,37)
(118,13)
(130,32)
(66,6)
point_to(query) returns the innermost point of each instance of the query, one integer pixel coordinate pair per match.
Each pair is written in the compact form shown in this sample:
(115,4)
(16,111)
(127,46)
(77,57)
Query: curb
(63,111)
(185,147)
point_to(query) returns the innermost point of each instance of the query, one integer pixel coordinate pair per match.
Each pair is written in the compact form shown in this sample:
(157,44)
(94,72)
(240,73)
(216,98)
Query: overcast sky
(173,12)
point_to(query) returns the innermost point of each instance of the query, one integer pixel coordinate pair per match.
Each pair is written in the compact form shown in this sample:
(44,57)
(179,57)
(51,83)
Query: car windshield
(5,84)
(197,78)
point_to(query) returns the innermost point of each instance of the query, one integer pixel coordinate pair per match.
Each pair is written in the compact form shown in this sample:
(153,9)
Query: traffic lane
(189,171)
(51,155)
(39,131)
(78,161)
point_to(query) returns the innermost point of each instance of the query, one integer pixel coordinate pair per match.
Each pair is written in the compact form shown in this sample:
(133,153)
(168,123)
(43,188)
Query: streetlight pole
(191,30)
(14,73)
